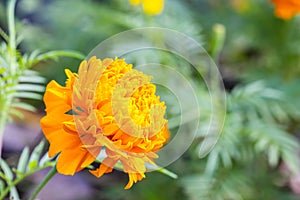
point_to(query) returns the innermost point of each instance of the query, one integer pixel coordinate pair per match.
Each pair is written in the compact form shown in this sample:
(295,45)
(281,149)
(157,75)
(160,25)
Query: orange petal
(60,140)
(133,178)
(105,167)
(73,160)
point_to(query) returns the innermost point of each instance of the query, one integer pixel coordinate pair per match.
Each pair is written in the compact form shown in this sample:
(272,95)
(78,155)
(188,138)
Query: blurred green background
(257,155)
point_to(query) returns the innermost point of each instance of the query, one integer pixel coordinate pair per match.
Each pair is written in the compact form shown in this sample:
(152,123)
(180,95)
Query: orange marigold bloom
(107,107)
(286,9)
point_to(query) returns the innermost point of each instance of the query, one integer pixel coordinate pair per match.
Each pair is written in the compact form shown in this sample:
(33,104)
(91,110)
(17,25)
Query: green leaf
(6,169)
(35,156)
(33,55)
(16,113)
(29,72)
(46,161)
(24,106)
(2,185)
(273,155)
(212,162)
(30,87)
(225,184)
(28,95)
(23,160)
(4,35)
(8,173)
(55,54)
(32,79)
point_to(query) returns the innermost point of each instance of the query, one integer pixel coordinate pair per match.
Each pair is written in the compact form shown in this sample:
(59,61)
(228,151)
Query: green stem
(4,35)
(12,65)
(12,35)
(3,116)
(52,172)
(17,181)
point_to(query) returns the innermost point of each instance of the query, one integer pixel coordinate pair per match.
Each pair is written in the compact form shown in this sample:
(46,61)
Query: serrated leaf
(23,160)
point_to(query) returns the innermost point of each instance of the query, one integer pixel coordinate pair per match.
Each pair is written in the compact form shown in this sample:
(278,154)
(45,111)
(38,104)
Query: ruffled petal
(133,178)
(105,167)
(73,160)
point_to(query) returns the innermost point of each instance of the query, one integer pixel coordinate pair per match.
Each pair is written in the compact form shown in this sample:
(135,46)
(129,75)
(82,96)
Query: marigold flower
(286,9)
(150,7)
(107,106)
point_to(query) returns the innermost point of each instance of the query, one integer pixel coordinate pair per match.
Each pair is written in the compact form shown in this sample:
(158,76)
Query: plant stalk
(50,175)
(12,66)
(3,120)
(12,32)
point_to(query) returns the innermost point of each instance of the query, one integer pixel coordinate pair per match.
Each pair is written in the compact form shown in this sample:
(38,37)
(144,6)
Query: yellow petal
(153,7)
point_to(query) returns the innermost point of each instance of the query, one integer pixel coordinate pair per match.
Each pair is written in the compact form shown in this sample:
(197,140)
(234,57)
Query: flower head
(150,7)
(107,107)
(286,9)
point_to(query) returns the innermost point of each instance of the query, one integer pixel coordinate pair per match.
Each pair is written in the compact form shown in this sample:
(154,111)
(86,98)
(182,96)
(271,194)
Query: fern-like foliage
(28,164)
(24,83)
(17,80)
(257,127)
(265,113)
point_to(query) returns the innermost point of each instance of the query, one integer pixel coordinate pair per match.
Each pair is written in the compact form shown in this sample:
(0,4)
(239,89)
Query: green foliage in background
(258,151)
(19,82)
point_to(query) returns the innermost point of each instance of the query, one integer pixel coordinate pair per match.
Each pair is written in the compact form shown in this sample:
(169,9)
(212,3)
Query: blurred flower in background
(286,9)
(150,7)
